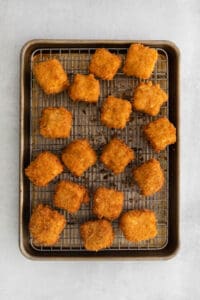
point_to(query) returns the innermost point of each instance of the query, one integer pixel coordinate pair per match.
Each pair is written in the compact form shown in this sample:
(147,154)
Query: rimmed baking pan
(75,56)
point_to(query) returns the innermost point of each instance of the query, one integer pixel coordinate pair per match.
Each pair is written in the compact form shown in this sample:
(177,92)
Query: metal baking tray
(75,56)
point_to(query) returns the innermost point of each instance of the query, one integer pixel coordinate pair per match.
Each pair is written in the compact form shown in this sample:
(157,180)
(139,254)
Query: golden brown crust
(51,76)
(140,61)
(104,64)
(117,155)
(78,156)
(149,177)
(160,133)
(70,195)
(115,112)
(138,225)
(108,203)
(46,225)
(55,122)
(148,98)
(44,168)
(85,88)
(97,234)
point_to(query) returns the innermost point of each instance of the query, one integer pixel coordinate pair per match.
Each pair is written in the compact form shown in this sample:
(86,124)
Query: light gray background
(178,21)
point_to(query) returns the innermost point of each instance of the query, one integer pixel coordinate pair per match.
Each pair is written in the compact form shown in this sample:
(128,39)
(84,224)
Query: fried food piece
(104,64)
(160,134)
(117,155)
(149,177)
(138,225)
(70,195)
(78,156)
(85,88)
(148,98)
(115,112)
(140,61)
(97,234)
(46,225)
(51,76)
(55,122)
(44,168)
(108,203)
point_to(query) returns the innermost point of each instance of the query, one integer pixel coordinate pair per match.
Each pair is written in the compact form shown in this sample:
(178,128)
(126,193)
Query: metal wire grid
(86,124)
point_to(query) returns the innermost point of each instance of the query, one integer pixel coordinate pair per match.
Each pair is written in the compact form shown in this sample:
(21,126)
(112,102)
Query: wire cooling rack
(86,124)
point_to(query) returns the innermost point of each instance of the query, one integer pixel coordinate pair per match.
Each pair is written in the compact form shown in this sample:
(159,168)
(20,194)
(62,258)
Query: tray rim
(37,42)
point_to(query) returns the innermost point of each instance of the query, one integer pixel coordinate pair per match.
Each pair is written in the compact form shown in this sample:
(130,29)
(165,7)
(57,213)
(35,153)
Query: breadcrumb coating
(149,177)
(44,168)
(138,225)
(97,234)
(51,76)
(140,61)
(46,225)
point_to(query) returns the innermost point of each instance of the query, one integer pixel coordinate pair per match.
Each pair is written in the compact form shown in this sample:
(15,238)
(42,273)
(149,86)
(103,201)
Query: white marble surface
(178,21)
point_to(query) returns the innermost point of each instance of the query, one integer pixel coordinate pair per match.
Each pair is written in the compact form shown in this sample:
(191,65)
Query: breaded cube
(70,195)
(46,225)
(148,98)
(51,76)
(55,122)
(44,168)
(85,88)
(104,64)
(108,203)
(117,155)
(140,61)
(160,134)
(115,112)
(97,234)
(138,225)
(78,156)
(149,177)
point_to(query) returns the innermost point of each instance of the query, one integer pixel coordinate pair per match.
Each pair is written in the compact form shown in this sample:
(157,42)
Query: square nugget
(51,76)
(148,98)
(97,234)
(104,64)
(160,133)
(46,225)
(85,88)
(44,168)
(55,122)
(149,177)
(78,156)
(70,195)
(108,203)
(140,61)
(138,225)
(115,112)
(117,155)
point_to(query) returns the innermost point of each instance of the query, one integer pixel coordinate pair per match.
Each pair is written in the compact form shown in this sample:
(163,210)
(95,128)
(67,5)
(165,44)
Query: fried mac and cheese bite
(115,112)
(160,133)
(55,122)
(108,203)
(140,61)
(70,195)
(78,156)
(46,225)
(148,98)
(85,88)
(149,176)
(97,234)
(138,225)
(104,64)
(117,155)
(51,76)
(44,168)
